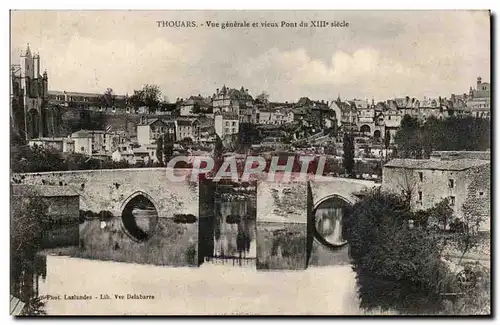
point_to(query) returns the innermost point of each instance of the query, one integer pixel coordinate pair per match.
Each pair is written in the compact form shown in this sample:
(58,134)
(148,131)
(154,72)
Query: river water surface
(208,289)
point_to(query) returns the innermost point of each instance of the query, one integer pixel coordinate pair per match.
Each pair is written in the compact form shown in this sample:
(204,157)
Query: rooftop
(458,164)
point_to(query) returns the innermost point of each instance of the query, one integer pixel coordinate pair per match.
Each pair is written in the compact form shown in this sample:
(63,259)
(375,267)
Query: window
(421,176)
(420,195)
(234,123)
(451,183)
(452,200)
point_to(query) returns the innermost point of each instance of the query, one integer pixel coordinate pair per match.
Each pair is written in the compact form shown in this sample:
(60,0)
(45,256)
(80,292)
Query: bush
(398,267)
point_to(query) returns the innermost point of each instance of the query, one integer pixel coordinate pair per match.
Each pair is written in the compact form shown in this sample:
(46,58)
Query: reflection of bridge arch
(330,236)
(139,229)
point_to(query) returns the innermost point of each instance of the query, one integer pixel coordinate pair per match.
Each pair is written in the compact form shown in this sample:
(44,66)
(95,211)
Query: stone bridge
(178,222)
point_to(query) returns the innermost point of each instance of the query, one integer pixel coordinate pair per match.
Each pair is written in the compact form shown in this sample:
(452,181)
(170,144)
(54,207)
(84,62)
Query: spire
(28,51)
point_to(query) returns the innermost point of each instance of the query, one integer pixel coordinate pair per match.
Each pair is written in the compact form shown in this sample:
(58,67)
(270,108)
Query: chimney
(217,91)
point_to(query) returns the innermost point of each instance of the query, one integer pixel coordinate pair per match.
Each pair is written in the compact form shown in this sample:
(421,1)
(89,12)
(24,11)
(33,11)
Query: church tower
(29,90)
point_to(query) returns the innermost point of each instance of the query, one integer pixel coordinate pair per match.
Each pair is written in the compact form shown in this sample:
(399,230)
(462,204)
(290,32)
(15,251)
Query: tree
(137,99)
(168,147)
(108,98)
(407,183)
(159,150)
(152,97)
(397,267)
(263,97)
(418,140)
(36,159)
(442,212)
(348,156)
(387,139)
(29,219)
(149,96)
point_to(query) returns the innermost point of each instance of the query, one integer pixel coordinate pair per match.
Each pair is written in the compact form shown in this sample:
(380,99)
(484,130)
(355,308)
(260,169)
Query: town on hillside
(139,129)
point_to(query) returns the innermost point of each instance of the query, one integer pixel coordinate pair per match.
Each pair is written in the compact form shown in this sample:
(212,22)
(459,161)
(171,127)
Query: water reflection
(234,230)
(25,279)
(328,221)
(140,218)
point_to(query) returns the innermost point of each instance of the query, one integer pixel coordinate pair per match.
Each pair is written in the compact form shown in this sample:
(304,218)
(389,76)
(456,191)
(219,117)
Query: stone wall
(478,201)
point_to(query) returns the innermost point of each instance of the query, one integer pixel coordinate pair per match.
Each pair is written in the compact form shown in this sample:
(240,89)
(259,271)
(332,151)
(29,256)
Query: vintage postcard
(250,162)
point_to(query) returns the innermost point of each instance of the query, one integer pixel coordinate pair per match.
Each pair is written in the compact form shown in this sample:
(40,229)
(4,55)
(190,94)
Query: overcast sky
(382,54)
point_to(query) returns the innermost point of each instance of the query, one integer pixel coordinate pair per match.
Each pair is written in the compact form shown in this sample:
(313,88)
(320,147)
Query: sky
(381,55)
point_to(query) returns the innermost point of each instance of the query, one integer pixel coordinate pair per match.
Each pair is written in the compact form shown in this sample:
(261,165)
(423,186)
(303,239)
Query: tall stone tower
(29,90)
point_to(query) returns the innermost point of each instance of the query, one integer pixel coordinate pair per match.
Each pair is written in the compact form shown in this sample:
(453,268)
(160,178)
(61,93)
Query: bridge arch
(327,217)
(139,216)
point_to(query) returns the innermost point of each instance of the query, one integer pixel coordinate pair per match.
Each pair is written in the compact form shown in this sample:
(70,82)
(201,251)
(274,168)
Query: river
(208,290)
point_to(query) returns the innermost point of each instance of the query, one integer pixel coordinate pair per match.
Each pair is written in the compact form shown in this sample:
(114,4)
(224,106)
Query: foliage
(249,134)
(164,149)
(108,98)
(348,156)
(36,307)
(159,150)
(468,237)
(477,300)
(263,97)
(88,120)
(28,222)
(442,212)
(30,159)
(149,96)
(418,140)
(38,159)
(387,139)
(398,267)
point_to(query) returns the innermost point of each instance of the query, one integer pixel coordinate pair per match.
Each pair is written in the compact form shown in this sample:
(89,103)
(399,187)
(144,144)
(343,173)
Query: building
(204,130)
(348,115)
(226,124)
(56,143)
(194,106)
(63,211)
(149,130)
(228,100)
(185,128)
(82,100)
(95,142)
(464,182)
(134,153)
(30,116)
(479,101)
